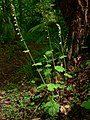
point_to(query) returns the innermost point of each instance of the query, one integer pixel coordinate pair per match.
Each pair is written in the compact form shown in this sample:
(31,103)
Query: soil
(12,58)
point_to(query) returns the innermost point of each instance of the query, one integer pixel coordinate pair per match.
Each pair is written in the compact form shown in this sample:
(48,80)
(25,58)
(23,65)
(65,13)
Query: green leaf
(48,65)
(51,86)
(52,5)
(36,27)
(41,87)
(26,98)
(67,75)
(49,53)
(52,107)
(59,68)
(62,86)
(37,64)
(63,56)
(86,104)
(26,51)
(88,62)
(32,103)
(47,72)
(33,81)
(69,88)
(39,70)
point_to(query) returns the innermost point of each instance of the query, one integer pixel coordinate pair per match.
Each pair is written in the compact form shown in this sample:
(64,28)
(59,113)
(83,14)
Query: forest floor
(12,59)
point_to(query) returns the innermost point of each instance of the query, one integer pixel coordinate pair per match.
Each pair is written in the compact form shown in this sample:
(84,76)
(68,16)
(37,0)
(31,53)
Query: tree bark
(77,17)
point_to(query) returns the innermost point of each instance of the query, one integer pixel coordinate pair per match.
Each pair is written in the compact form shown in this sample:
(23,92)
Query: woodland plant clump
(56,86)
(54,94)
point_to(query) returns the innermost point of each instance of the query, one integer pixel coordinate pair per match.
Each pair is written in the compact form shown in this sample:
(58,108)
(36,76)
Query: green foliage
(88,62)
(41,87)
(49,53)
(70,88)
(59,68)
(51,107)
(86,104)
(51,86)
(40,23)
(67,75)
(63,56)
(18,102)
(7,32)
(26,71)
(11,87)
(37,64)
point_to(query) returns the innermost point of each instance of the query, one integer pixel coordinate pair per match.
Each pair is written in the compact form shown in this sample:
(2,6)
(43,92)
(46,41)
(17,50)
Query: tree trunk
(77,17)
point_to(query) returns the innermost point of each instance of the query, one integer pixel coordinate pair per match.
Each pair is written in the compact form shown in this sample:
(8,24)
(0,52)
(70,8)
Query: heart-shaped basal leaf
(52,107)
(86,104)
(49,53)
(59,68)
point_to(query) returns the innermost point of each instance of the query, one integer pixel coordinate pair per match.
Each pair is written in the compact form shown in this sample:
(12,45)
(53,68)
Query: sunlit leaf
(33,81)
(52,5)
(48,65)
(37,64)
(59,68)
(49,53)
(69,88)
(32,103)
(41,87)
(67,75)
(63,56)
(39,70)
(47,72)
(51,87)
(62,86)
(26,98)
(26,51)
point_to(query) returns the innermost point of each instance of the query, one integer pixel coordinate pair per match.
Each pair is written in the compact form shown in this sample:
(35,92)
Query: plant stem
(33,60)
(61,43)
(22,39)
(50,46)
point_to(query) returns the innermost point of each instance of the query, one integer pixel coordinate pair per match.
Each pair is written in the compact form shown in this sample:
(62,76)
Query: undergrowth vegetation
(49,85)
